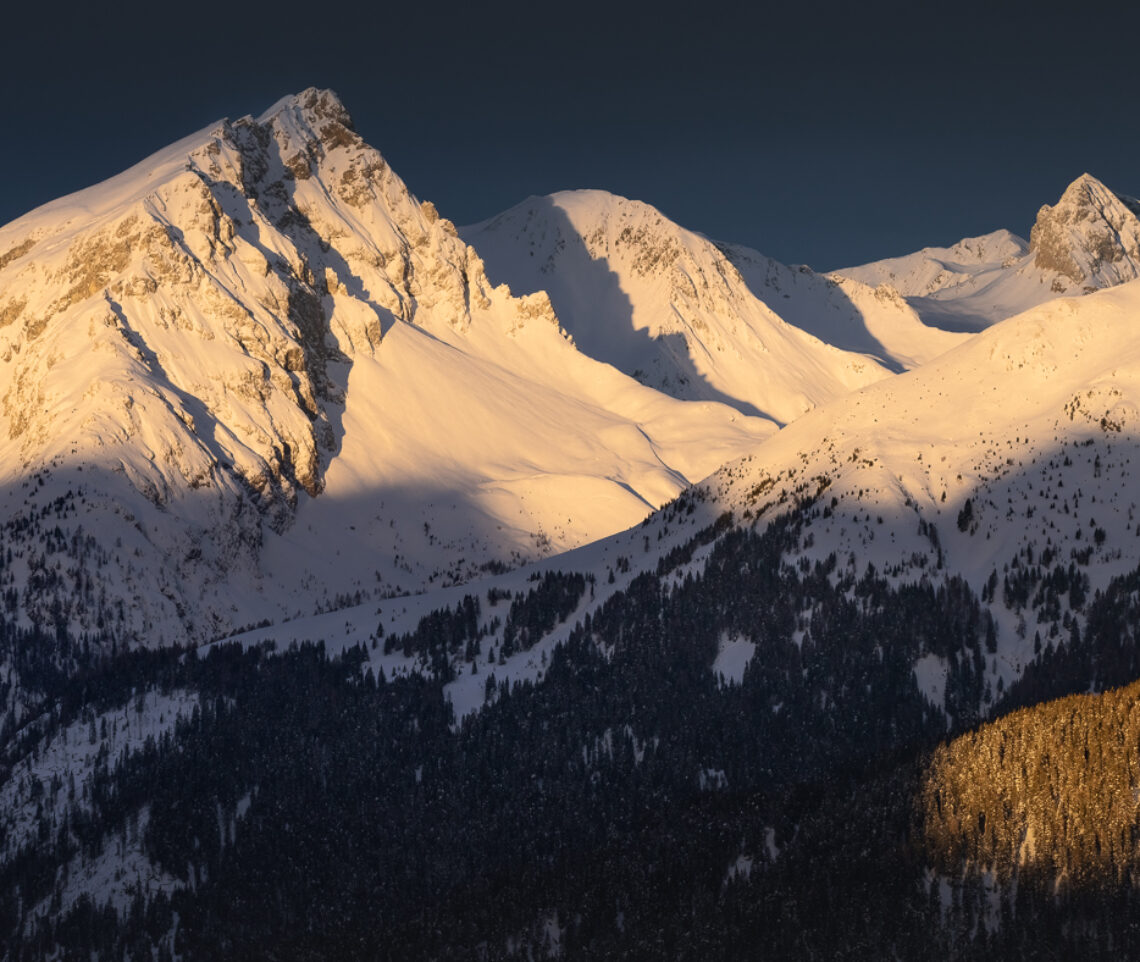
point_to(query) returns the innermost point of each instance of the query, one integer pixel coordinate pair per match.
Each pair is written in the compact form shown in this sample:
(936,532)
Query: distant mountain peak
(1091,237)
(1088,240)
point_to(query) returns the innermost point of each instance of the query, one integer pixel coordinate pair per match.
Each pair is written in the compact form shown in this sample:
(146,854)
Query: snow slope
(843,311)
(1034,422)
(253,376)
(59,775)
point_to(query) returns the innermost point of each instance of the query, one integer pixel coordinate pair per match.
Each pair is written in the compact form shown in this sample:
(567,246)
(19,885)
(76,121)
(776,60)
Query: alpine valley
(569,585)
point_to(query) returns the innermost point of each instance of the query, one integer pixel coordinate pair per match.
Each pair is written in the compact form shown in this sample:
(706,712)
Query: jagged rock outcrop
(1090,237)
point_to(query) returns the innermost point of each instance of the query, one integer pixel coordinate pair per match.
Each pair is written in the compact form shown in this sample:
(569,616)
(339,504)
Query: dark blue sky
(824,133)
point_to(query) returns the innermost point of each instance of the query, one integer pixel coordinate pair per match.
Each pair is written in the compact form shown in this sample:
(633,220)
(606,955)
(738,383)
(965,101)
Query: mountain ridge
(232,288)
(1088,240)
(687,321)
(233,285)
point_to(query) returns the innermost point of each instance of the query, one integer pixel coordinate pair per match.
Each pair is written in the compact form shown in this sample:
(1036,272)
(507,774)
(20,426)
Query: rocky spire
(1090,237)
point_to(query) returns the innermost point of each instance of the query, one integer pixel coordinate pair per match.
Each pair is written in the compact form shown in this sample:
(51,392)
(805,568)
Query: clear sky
(827,134)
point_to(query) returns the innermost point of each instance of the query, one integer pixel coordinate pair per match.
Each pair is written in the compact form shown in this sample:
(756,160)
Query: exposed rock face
(222,281)
(1091,237)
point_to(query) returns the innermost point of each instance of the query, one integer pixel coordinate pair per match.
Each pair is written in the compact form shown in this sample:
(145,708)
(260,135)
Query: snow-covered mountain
(995,462)
(1088,240)
(253,375)
(694,319)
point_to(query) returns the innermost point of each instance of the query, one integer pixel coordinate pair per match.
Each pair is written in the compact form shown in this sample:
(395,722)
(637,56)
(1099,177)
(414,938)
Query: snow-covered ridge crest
(692,318)
(934,269)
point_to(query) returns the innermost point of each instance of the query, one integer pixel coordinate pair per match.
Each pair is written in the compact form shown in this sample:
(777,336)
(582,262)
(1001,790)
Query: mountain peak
(1091,237)
(319,104)
(1084,182)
